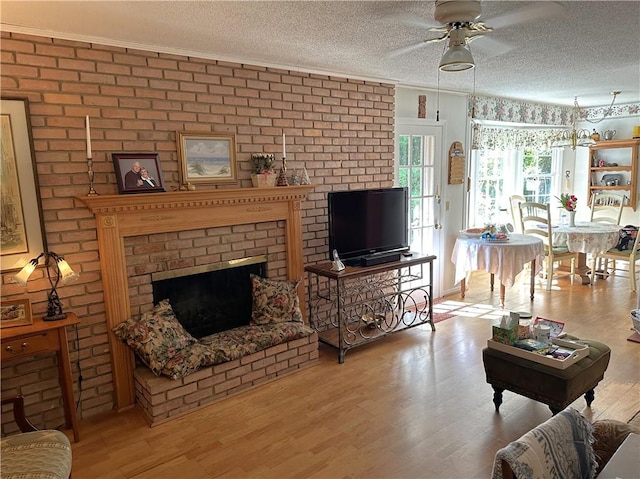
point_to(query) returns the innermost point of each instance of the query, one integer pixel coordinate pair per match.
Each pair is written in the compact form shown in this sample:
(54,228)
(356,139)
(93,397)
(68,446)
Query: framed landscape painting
(208,158)
(21,221)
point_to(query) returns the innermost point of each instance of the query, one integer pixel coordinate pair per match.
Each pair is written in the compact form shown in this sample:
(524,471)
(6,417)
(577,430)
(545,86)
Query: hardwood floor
(412,405)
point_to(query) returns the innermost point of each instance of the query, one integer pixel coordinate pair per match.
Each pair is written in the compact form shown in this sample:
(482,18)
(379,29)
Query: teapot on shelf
(609,134)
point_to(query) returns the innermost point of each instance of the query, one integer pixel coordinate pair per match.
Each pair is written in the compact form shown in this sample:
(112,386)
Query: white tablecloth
(587,237)
(505,260)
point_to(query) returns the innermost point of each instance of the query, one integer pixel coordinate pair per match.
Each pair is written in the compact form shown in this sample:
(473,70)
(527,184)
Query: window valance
(512,138)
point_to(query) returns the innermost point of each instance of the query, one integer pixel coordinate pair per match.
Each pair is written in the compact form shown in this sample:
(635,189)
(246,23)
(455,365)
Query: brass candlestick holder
(282,176)
(92,192)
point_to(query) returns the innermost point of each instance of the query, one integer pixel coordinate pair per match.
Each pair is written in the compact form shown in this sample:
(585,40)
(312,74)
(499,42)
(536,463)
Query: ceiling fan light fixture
(456,59)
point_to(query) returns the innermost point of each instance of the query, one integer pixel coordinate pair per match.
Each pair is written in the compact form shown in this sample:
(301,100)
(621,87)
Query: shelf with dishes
(614,167)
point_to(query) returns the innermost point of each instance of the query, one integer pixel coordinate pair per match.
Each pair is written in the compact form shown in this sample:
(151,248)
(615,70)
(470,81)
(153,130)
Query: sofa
(566,445)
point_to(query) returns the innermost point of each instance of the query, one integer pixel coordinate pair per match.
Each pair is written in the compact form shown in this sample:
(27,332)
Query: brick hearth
(161,399)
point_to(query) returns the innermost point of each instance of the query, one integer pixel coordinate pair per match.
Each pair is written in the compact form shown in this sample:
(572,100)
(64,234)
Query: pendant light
(574,137)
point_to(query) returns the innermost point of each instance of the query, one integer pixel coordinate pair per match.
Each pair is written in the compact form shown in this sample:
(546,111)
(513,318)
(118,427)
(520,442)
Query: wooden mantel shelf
(189,199)
(120,216)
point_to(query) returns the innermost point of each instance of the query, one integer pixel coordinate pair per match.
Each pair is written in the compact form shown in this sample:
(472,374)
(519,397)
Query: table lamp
(62,272)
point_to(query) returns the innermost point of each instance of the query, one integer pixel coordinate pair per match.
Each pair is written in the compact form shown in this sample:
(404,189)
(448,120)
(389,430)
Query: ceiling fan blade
(437,39)
(442,29)
(474,36)
(422,24)
(489,46)
(537,11)
(406,49)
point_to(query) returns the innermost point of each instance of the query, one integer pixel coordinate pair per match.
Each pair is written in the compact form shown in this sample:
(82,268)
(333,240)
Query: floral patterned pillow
(156,337)
(185,362)
(274,301)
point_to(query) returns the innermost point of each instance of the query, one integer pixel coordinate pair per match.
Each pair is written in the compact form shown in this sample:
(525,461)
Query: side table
(43,337)
(361,304)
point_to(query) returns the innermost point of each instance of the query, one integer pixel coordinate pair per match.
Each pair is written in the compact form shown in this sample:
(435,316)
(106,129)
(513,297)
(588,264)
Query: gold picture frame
(207,158)
(16,312)
(23,235)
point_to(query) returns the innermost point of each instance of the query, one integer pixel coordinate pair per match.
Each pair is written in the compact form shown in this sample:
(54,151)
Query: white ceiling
(586,49)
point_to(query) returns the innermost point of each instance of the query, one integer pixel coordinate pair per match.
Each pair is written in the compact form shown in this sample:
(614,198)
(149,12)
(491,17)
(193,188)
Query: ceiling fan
(460,23)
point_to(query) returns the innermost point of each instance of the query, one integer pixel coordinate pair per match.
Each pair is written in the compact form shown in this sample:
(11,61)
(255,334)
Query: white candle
(89,155)
(284,149)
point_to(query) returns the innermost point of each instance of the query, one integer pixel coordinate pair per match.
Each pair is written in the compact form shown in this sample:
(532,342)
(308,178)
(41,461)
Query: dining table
(503,259)
(586,238)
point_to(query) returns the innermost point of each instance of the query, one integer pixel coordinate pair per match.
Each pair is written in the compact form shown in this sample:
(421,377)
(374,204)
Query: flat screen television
(368,222)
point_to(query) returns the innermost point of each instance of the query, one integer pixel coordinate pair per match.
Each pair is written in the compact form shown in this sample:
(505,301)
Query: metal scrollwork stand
(353,306)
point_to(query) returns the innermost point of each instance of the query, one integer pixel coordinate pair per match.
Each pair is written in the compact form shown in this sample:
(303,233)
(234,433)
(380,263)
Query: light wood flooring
(413,405)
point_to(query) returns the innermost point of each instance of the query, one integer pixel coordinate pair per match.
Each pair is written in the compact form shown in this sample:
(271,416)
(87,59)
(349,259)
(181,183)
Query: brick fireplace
(119,217)
(212,297)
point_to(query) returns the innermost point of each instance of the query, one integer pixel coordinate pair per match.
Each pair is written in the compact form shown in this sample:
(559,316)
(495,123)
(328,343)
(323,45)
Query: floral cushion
(185,362)
(238,342)
(274,301)
(156,337)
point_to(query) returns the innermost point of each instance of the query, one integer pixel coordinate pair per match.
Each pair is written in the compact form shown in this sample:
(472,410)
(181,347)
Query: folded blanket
(559,448)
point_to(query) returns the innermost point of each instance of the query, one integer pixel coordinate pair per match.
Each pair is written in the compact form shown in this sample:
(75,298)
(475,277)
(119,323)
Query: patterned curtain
(512,138)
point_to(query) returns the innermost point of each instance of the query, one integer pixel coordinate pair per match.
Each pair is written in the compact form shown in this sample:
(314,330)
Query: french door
(419,158)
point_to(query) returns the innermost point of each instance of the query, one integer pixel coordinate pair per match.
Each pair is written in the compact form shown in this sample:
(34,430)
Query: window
(416,171)
(498,174)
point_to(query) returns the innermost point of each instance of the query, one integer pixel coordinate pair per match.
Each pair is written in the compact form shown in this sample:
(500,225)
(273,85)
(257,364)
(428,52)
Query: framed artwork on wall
(22,227)
(15,313)
(138,172)
(207,158)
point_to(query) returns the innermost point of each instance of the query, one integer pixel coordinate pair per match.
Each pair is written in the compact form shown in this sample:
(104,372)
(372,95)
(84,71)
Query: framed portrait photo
(207,158)
(138,172)
(15,313)
(22,235)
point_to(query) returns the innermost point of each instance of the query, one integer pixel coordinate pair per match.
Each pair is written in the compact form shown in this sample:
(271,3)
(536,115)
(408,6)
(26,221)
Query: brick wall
(340,129)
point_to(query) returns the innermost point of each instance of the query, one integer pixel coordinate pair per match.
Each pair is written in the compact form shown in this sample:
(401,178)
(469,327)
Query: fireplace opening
(211,298)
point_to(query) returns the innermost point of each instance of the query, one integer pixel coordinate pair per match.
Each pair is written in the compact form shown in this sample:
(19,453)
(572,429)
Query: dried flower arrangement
(262,163)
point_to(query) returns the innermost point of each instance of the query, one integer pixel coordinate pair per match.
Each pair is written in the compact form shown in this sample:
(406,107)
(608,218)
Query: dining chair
(535,220)
(607,207)
(631,255)
(514,201)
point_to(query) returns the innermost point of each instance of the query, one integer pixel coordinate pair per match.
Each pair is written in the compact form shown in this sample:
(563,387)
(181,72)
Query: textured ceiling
(582,48)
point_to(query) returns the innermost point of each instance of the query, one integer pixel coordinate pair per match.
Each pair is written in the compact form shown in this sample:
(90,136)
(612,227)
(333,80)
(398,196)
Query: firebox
(211,298)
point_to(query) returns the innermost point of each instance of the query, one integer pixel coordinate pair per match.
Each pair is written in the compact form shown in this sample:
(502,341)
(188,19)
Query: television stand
(361,304)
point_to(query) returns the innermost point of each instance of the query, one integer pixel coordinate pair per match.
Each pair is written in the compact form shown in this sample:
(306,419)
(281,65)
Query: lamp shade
(23,275)
(66,273)
(456,59)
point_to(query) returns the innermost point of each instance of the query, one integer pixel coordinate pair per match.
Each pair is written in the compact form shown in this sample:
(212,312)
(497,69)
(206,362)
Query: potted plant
(264,174)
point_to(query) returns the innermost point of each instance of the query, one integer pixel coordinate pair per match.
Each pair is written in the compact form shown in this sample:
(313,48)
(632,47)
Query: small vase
(572,218)
(264,180)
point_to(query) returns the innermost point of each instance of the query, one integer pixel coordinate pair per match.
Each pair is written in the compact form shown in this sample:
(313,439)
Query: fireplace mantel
(120,216)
